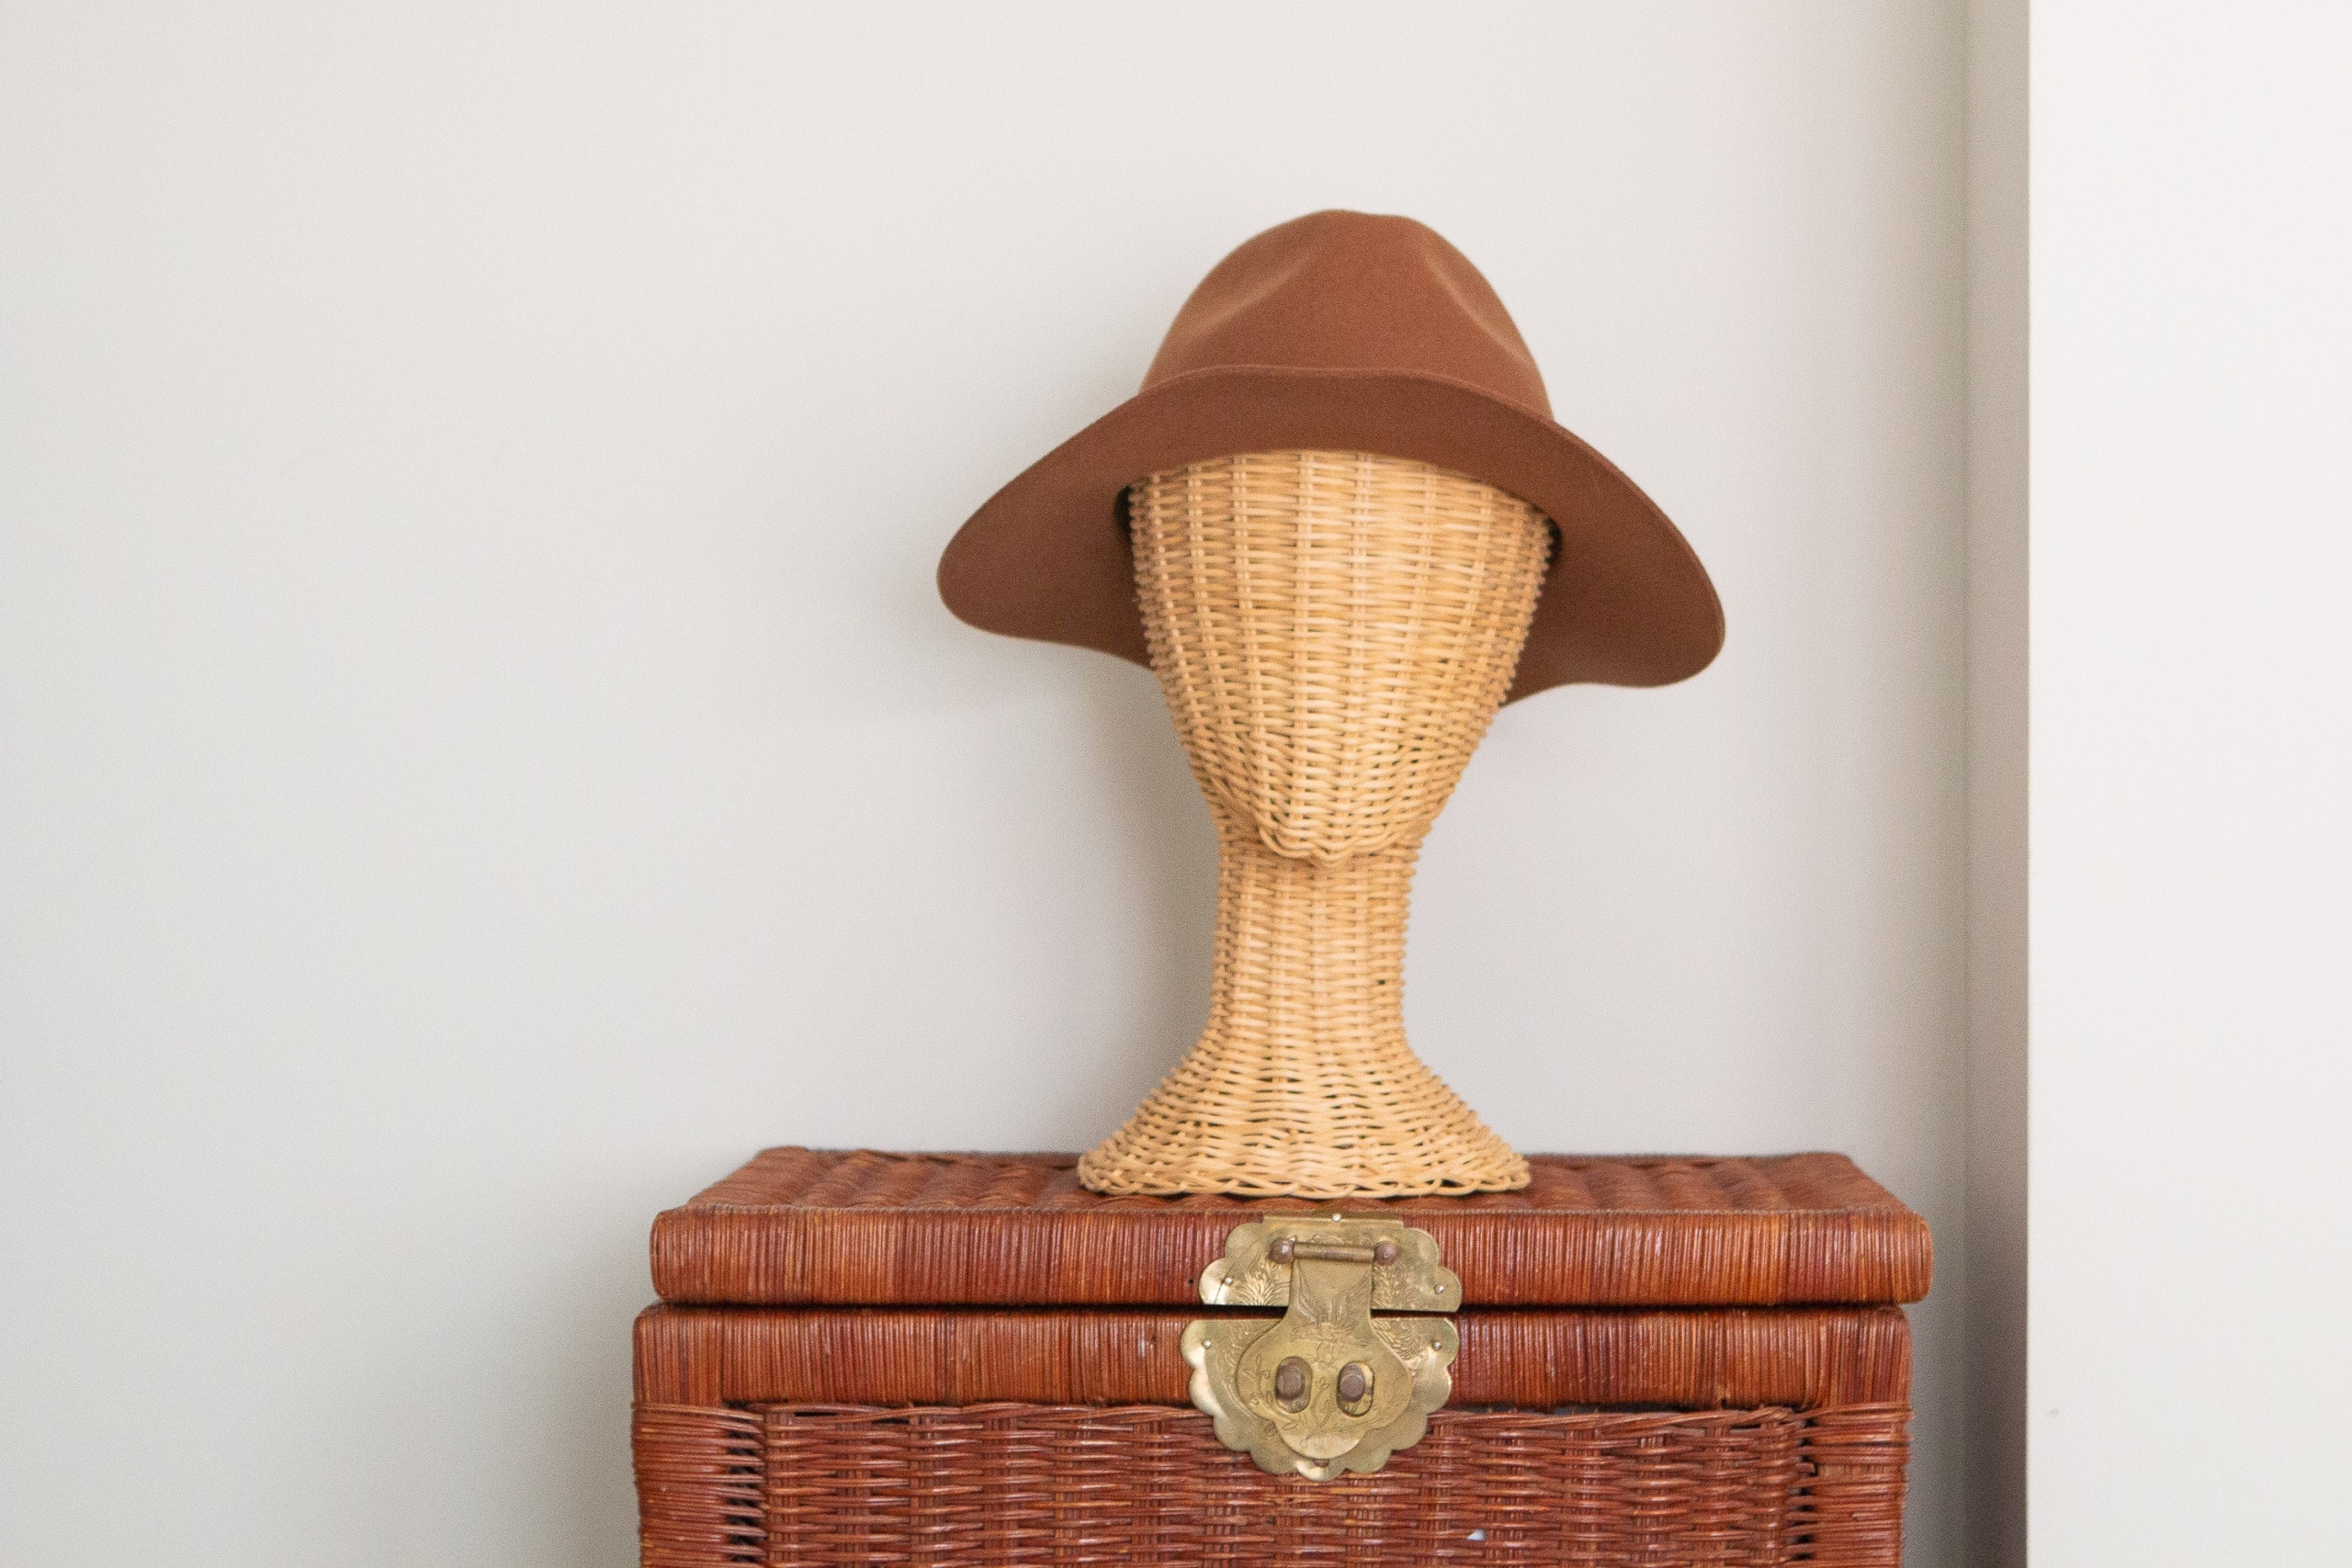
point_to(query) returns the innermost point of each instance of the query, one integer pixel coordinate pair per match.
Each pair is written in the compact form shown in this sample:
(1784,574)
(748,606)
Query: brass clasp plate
(1327,1387)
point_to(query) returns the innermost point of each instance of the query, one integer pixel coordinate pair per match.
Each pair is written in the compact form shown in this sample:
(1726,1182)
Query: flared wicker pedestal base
(1303,1084)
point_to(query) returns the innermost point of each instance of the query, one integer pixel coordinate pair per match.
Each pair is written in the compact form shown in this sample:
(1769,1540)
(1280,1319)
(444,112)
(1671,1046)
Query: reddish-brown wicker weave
(1693,1360)
(1008,1483)
(1047,1430)
(803,1225)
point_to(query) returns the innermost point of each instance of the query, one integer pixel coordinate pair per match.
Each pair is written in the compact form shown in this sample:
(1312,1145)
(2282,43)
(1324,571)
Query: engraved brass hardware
(1327,1387)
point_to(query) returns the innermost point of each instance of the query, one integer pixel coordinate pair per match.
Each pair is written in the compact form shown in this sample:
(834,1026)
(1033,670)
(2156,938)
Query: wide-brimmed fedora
(1344,332)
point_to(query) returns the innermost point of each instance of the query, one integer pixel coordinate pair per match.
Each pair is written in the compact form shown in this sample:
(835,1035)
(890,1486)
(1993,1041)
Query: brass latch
(1327,1387)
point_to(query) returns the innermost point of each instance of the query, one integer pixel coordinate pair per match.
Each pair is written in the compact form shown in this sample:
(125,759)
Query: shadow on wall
(585,1363)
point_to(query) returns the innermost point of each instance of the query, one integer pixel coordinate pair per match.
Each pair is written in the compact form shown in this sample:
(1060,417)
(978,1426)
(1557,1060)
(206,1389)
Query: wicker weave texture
(1687,1359)
(1029,1484)
(701,1491)
(1333,632)
(809,1226)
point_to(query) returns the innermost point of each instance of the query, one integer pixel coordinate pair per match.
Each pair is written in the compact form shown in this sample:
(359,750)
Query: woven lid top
(808,1226)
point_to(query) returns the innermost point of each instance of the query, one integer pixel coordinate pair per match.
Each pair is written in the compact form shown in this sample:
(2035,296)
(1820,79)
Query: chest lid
(822,1226)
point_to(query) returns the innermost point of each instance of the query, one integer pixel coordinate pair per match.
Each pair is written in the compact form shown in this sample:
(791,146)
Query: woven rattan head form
(1333,632)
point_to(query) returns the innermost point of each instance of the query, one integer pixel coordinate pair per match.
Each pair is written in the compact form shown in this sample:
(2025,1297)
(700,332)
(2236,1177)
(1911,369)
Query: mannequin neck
(1310,956)
(1302,1082)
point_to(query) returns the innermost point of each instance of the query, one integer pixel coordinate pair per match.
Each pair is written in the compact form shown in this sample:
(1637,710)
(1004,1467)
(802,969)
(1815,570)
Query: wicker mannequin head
(1333,632)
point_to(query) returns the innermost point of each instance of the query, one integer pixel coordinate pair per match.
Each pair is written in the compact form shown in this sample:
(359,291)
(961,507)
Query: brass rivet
(1290,1384)
(1384,1252)
(1355,1387)
(1281,1251)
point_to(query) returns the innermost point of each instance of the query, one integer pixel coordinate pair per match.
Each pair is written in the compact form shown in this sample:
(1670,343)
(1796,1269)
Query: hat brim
(1627,603)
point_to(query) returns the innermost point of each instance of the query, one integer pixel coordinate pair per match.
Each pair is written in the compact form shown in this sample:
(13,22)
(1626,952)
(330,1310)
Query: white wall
(483,754)
(2192,763)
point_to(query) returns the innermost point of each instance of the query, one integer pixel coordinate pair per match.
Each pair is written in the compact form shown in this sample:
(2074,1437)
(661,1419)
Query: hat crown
(1344,332)
(1353,291)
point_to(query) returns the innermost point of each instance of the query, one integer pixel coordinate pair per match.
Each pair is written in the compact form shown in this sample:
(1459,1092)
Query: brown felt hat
(1344,332)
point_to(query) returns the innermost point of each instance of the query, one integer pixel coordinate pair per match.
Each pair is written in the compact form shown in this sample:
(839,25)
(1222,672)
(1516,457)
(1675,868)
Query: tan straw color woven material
(1333,632)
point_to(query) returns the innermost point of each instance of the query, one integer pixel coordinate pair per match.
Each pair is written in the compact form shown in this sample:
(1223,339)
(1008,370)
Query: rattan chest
(864,1358)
